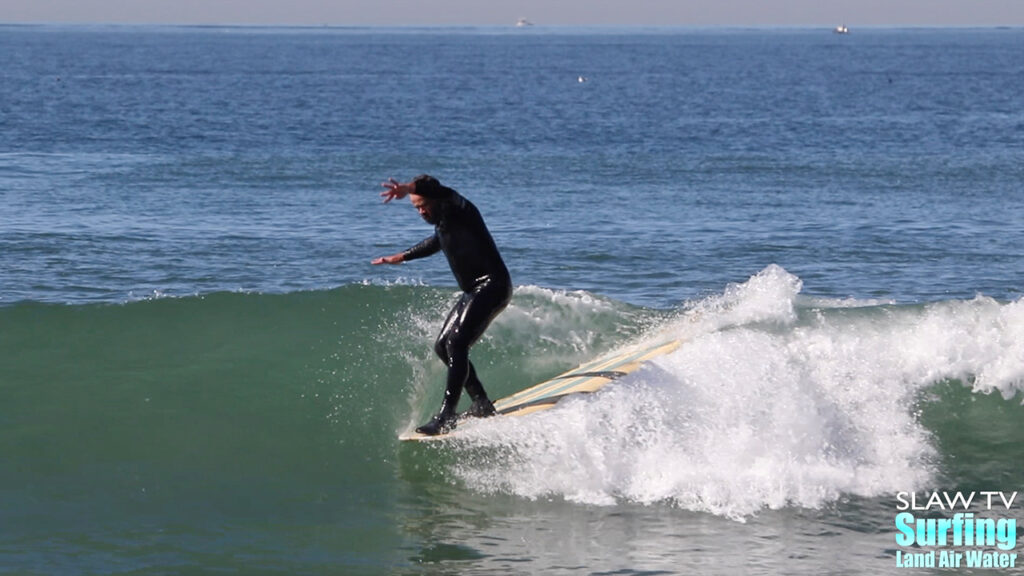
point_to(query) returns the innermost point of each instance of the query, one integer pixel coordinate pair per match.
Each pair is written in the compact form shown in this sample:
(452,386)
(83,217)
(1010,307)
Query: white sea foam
(769,403)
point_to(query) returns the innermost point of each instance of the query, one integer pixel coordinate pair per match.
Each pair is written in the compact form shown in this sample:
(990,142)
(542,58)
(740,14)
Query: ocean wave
(775,399)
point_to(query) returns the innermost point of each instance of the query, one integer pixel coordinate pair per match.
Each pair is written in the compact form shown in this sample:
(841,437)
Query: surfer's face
(425,207)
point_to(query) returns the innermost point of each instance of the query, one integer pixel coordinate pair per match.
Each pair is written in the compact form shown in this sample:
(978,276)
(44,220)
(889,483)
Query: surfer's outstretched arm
(393,259)
(429,246)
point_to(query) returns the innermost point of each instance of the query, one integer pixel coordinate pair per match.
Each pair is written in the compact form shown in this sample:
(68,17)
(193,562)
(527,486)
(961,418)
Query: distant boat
(523,23)
(841,30)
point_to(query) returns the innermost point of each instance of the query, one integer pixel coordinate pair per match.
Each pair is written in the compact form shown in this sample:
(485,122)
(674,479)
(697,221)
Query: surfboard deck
(584,379)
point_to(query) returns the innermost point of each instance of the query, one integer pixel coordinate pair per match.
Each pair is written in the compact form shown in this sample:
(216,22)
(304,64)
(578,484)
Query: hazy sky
(505,12)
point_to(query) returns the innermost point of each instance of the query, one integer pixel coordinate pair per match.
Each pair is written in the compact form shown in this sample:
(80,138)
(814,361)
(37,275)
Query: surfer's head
(426,207)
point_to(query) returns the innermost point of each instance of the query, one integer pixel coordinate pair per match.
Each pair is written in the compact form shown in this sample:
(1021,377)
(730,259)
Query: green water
(263,423)
(250,433)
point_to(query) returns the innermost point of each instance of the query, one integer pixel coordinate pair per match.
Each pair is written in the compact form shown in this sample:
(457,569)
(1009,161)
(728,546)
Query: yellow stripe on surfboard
(583,379)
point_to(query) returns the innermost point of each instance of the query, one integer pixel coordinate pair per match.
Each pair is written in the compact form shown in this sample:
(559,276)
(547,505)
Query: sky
(829,13)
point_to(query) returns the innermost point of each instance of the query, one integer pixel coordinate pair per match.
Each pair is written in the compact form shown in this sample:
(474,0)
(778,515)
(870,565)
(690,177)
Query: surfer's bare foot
(440,424)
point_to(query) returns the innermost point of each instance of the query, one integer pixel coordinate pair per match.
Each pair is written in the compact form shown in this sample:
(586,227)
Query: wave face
(774,400)
(241,403)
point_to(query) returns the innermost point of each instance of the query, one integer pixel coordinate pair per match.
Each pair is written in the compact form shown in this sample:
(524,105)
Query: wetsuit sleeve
(428,247)
(429,187)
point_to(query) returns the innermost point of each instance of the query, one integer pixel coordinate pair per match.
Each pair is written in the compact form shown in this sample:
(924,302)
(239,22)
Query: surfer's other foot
(481,408)
(440,424)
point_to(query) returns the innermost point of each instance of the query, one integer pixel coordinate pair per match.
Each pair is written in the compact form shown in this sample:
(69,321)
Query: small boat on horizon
(841,30)
(523,23)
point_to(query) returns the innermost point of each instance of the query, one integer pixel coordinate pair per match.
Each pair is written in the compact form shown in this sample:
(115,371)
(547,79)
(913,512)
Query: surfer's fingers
(394,190)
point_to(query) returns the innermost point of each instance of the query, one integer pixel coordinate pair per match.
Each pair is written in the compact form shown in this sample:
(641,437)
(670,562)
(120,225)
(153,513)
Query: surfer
(460,232)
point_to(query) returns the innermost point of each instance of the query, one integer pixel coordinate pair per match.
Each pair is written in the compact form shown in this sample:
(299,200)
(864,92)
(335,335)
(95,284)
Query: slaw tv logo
(956,530)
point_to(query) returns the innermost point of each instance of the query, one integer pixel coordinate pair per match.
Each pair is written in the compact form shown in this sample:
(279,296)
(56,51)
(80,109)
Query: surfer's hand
(396,189)
(393,259)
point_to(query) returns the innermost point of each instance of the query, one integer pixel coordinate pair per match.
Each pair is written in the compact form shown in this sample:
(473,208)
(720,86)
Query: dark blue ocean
(201,372)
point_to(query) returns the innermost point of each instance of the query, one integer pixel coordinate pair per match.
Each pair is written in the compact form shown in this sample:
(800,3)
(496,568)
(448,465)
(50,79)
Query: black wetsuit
(459,232)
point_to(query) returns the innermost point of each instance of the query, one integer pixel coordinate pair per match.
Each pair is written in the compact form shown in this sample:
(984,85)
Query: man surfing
(459,232)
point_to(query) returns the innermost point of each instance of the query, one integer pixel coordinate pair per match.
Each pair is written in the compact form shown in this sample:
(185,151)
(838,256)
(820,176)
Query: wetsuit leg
(453,386)
(470,316)
(471,383)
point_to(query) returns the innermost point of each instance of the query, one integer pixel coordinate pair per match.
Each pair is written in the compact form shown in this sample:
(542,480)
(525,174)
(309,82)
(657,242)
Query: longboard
(584,379)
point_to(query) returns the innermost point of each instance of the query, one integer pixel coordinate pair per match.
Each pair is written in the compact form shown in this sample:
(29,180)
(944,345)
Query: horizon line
(505,26)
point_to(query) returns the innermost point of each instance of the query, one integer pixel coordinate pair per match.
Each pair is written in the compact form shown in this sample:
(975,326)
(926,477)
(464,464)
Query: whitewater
(774,400)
